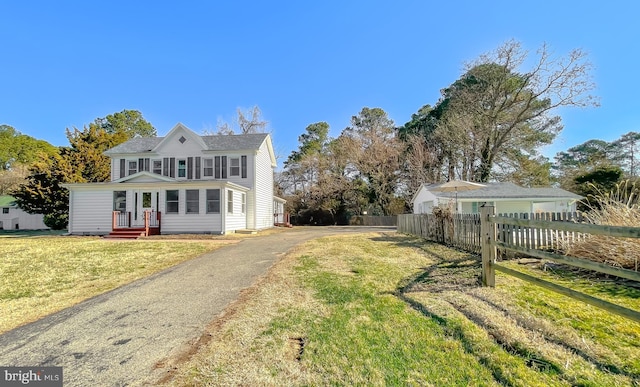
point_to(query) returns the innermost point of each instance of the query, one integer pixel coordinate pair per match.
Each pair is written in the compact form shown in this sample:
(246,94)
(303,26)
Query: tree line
(489,125)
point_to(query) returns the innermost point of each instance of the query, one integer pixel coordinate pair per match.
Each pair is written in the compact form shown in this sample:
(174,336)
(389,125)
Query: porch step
(246,231)
(131,233)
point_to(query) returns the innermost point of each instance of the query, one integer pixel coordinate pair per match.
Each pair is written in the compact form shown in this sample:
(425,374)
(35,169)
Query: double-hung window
(234,169)
(133,167)
(120,201)
(213,201)
(172,197)
(182,168)
(193,201)
(208,168)
(230,202)
(157,167)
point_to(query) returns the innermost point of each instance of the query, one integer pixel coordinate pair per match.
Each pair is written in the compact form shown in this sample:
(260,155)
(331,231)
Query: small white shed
(506,197)
(13,217)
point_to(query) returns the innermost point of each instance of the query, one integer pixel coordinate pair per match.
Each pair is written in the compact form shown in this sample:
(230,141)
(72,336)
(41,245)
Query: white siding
(90,212)
(263,201)
(236,220)
(421,197)
(189,223)
(18,219)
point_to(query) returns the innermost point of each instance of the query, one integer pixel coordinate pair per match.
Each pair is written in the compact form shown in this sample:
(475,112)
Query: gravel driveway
(118,338)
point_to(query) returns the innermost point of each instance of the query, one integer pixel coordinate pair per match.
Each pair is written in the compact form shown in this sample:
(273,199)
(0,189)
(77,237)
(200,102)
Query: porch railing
(121,219)
(152,219)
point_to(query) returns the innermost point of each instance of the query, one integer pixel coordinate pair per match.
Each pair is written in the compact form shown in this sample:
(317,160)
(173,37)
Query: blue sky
(66,63)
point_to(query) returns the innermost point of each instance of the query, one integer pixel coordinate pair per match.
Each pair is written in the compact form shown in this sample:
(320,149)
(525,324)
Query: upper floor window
(182,168)
(234,169)
(157,167)
(133,167)
(208,168)
(5,210)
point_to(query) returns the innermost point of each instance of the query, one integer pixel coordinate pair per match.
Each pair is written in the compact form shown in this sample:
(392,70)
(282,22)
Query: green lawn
(387,309)
(44,274)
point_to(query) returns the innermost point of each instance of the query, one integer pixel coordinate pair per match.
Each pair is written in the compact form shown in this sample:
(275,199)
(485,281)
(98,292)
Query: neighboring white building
(13,217)
(186,183)
(506,197)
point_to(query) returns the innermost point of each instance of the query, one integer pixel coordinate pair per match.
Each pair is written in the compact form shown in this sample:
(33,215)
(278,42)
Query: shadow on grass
(461,273)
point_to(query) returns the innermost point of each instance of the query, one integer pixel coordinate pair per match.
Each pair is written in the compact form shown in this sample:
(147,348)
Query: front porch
(123,228)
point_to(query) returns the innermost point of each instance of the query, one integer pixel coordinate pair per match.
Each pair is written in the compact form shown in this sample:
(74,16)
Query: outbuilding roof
(7,201)
(506,191)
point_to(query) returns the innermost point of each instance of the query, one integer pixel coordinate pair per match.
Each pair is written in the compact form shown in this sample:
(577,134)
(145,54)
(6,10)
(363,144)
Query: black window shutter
(140,165)
(224,167)
(146,164)
(197,167)
(123,166)
(243,163)
(172,167)
(189,167)
(165,166)
(217,167)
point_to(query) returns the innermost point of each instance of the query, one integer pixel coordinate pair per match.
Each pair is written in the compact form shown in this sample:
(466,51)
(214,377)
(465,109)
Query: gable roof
(506,191)
(7,201)
(231,142)
(144,174)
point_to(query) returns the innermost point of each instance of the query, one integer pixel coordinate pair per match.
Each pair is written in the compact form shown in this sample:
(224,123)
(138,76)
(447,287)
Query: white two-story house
(180,183)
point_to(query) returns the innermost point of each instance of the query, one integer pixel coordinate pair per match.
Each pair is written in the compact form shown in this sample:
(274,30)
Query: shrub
(56,221)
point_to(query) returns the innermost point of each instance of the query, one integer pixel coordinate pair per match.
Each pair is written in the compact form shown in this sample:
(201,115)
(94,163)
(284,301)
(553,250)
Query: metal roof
(7,201)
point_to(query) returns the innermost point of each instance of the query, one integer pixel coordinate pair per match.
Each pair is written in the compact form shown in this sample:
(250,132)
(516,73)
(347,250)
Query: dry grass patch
(47,274)
(620,207)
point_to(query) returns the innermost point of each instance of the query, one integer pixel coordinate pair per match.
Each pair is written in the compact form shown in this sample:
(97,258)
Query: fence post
(488,232)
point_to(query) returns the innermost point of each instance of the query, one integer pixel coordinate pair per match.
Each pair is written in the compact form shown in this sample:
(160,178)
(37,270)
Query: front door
(145,200)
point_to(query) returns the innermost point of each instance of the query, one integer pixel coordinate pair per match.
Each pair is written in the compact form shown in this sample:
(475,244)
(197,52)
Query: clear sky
(65,63)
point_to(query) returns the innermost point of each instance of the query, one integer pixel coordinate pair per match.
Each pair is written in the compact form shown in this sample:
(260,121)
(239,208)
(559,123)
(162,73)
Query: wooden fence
(491,225)
(365,220)
(542,236)
(459,230)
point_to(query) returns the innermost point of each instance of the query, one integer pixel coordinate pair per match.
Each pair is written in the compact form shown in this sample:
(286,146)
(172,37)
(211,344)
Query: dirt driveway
(125,336)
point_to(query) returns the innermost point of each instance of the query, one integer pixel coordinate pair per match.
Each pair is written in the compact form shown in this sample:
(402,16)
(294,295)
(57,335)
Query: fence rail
(536,235)
(490,224)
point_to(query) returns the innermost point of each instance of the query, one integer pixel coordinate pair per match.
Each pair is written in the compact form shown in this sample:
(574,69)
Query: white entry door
(145,200)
